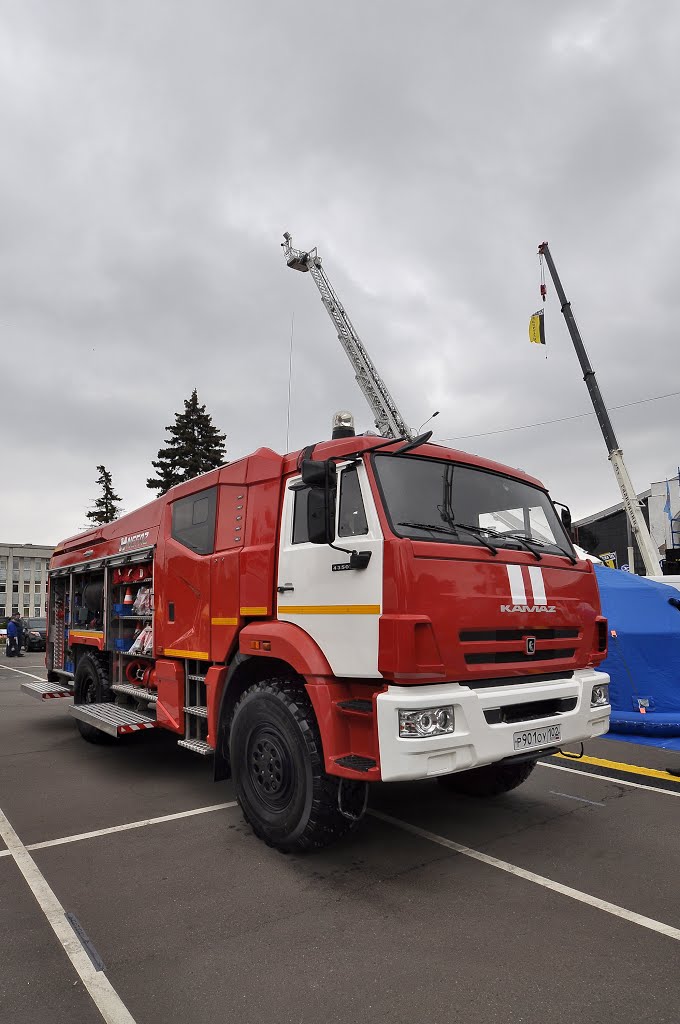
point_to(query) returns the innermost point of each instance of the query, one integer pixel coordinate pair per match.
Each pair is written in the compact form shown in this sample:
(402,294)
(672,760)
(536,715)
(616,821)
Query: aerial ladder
(388,420)
(648,550)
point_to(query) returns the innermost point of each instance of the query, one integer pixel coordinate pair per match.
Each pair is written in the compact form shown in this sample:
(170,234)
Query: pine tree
(106,507)
(194,447)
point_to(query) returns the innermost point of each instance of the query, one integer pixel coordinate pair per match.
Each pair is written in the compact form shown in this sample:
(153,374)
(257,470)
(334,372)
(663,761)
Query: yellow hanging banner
(537,328)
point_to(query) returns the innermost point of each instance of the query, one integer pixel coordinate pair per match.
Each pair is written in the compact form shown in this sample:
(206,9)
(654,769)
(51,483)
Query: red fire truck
(364,610)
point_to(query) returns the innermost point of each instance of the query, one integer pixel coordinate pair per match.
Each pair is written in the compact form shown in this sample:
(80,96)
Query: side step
(198,746)
(111,718)
(45,691)
(138,692)
(198,712)
(357,762)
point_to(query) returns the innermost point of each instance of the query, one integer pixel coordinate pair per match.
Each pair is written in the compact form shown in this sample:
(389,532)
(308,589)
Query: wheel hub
(269,768)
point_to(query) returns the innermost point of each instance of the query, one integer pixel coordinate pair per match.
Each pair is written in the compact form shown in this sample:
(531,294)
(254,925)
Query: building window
(27,588)
(15,562)
(36,612)
(3,588)
(27,612)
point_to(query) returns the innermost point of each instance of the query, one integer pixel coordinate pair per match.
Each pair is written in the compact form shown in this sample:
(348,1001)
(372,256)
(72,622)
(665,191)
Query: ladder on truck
(119,719)
(388,419)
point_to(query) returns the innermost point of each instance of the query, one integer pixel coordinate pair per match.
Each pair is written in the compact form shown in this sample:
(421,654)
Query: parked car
(35,634)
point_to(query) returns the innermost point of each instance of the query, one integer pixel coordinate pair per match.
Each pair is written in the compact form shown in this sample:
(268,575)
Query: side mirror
(319,474)
(321,516)
(322,480)
(565,516)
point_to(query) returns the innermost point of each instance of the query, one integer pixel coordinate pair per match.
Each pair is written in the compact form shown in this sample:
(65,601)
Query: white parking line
(610,778)
(530,876)
(129,825)
(581,799)
(19,672)
(104,995)
(124,828)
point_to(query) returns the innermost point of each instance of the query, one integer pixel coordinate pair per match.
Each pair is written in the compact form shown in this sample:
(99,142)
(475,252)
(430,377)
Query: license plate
(536,738)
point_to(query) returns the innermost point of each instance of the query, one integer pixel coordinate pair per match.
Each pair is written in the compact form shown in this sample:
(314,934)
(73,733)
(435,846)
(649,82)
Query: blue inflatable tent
(644,653)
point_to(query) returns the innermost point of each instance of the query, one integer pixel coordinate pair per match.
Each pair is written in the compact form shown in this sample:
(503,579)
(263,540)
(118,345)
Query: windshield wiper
(452,531)
(478,532)
(524,540)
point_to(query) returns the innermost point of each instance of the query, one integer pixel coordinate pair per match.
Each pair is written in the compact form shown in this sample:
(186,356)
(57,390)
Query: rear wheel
(91,686)
(489,780)
(277,768)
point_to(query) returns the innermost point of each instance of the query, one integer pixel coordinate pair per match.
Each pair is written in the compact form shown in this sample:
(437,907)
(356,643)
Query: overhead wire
(562,419)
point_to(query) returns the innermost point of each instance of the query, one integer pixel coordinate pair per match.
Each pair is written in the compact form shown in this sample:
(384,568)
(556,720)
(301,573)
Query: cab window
(352,521)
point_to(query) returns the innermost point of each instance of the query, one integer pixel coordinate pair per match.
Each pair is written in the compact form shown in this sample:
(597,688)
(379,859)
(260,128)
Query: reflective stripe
(330,609)
(224,622)
(537,584)
(198,655)
(518,594)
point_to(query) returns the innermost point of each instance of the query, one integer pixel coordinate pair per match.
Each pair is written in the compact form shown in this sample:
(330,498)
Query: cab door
(337,606)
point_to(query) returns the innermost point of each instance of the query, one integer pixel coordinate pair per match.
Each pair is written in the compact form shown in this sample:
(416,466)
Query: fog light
(427,722)
(600,695)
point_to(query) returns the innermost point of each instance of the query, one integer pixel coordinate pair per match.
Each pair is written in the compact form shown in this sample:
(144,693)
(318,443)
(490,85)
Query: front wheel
(489,780)
(278,771)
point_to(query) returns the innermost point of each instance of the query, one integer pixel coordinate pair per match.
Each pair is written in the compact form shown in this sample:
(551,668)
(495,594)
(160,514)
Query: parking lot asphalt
(556,902)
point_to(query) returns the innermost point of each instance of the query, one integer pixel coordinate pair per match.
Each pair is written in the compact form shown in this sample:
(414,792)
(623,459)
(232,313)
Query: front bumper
(474,741)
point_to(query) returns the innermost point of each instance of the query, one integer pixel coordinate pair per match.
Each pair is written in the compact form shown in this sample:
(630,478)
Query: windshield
(456,504)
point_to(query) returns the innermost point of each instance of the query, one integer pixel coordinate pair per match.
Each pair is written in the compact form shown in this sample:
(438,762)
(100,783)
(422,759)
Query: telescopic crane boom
(388,419)
(648,550)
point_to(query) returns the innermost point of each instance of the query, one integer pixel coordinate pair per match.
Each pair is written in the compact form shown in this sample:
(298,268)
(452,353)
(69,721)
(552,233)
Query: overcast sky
(154,151)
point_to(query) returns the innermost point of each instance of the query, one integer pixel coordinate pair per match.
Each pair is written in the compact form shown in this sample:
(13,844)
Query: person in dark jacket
(14,632)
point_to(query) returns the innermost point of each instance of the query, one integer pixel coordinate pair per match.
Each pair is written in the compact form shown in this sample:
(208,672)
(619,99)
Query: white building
(23,579)
(666,534)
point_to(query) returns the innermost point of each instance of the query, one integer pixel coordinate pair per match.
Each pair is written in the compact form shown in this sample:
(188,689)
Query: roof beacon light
(343,424)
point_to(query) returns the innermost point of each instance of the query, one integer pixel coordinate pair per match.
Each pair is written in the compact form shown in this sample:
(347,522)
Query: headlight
(600,695)
(428,722)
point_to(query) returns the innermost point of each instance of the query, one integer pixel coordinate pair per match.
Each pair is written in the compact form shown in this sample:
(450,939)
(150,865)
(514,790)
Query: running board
(137,692)
(111,718)
(45,691)
(198,746)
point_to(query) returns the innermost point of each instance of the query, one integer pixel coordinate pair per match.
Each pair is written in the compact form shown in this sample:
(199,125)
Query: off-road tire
(91,686)
(278,770)
(489,780)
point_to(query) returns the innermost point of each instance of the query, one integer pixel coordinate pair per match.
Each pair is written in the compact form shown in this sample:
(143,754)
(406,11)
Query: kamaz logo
(549,608)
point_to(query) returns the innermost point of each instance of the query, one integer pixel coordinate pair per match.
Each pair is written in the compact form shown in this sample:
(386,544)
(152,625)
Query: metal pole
(588,372)
(650,554)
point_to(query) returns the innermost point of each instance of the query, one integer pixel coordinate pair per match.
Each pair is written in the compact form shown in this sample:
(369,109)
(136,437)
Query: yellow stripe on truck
(330,609)
(224,622)
(198,655)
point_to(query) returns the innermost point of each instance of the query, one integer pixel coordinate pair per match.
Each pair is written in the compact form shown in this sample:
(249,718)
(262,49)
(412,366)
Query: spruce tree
(194,447)
(106,507)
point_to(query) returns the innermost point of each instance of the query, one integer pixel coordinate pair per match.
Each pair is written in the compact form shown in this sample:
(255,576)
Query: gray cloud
(152,157)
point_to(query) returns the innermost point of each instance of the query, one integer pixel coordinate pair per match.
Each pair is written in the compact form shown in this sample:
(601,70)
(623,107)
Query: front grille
(542,677)
(509,657)
(485,635)
(531,711)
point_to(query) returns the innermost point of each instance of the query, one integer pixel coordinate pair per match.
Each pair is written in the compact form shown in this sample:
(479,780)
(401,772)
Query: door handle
(285,587)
